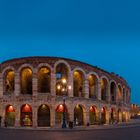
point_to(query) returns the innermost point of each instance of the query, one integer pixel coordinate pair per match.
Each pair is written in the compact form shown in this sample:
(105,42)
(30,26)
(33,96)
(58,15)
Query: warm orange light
(63,89)
(64,81)
(10,109)
(60,108)
(92,109)
(58,87)
(26,108)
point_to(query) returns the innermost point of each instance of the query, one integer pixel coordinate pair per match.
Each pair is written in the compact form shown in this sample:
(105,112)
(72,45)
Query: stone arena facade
(37,91)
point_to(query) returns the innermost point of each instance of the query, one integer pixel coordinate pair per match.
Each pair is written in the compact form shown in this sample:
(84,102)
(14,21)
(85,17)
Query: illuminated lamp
(60,108)
(26,108)
(92,109)
(10,109)
(58,87)
(64,81)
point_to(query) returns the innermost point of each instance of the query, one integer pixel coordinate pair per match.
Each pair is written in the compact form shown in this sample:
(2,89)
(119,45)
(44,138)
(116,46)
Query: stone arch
(113,90)
(112,115)
(60,111)
(104,115)
(119,115)
(93,81)
(44,65)
(62,72)
(104,85)
(80,69)
(63,62)
(8,68)
(10,115)
(26,115)
(78,82)
(93,115)
(79,115)
(9,80)
(44,79)
(119,93)
(26,74)
(93,73)
(24,66)
(124,116)
(43,115)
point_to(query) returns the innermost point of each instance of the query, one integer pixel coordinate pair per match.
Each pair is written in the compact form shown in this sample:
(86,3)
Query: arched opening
(93,115)
(112,116)
(44,79)
(10,115)
(119,115)
(124,116)
(59,114)
(103,89)
(26,115)
(119,93)
(78,115)
(78,84)
(113,92)
(26,81)
(9,81)
(61,79)
(103,115)
(43,116)
(93,86)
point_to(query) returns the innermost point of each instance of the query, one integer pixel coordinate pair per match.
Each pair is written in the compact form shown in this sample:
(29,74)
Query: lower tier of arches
(45,115)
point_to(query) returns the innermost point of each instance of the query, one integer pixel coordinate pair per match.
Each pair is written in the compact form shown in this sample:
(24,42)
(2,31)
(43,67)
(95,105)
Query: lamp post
(64,89)
(64,114)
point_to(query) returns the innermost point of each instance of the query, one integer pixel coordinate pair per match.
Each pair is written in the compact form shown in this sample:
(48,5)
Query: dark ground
(132,133)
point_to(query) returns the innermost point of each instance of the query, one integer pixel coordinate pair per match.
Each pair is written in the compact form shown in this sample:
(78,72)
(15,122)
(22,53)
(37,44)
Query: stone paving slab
(132,123)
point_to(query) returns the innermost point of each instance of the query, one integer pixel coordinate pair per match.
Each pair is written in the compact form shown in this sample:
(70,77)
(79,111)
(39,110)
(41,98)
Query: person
(5,123)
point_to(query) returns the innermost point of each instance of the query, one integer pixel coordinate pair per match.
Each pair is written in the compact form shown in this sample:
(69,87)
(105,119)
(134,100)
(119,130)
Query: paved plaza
(115,133)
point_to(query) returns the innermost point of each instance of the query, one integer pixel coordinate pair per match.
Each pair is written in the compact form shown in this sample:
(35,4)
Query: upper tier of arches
(31,76)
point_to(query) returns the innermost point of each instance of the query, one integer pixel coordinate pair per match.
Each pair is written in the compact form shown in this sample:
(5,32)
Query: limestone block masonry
(38,91)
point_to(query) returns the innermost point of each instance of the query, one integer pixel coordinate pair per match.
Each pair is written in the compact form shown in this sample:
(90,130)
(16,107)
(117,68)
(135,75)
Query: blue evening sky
(105,33)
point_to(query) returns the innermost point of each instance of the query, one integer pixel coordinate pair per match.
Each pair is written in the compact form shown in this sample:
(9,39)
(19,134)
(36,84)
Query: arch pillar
(99,91)
(34,83)
(34,116)
(1,85)
(70,83)
(108,97)
(107,116)
(53,83)
(71,114)
(17,118)
(86,89)
(99,116)
(17,84)
(52,116)
(87,117)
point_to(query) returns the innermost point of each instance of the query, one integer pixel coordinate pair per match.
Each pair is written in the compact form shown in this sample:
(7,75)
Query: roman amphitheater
(45,91)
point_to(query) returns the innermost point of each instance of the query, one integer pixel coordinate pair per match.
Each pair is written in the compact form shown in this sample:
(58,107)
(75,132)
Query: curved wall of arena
(39,91)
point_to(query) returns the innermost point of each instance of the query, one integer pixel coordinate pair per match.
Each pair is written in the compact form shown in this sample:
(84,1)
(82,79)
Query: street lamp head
(58,87)
(64,81)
